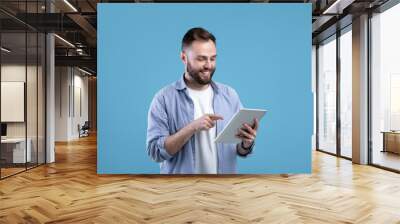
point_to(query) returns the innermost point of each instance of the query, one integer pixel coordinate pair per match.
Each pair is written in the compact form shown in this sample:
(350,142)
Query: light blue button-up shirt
(171,110)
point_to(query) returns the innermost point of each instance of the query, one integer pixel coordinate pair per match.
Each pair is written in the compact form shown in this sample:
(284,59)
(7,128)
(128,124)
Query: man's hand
(205,122)
(248,133)
(175,142)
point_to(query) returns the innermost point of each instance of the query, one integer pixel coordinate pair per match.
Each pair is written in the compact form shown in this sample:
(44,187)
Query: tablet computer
(228,134)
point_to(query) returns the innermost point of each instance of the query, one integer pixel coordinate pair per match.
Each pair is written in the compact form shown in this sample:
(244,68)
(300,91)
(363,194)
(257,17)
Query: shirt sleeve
(236,99)
(157,130)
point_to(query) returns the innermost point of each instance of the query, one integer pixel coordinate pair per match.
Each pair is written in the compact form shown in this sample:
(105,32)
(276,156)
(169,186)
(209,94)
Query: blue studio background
(264,53)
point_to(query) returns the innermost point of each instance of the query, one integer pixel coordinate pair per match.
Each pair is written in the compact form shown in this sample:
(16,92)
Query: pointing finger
(215,117)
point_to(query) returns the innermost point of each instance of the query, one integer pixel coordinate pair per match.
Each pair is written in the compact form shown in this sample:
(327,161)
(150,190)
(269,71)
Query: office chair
(84,130)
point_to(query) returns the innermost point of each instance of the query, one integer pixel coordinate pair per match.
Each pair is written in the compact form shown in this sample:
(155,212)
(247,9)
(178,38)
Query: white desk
(18,150)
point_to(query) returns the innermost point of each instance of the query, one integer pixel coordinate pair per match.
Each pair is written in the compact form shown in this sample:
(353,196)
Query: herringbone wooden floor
(70,191)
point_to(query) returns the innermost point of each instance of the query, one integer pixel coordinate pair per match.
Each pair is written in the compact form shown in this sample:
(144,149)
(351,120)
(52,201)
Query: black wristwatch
(251,146)
(249,149)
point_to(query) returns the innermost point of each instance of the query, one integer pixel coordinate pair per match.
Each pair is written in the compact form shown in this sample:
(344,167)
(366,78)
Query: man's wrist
(192,128)
(242,151)
(248,147)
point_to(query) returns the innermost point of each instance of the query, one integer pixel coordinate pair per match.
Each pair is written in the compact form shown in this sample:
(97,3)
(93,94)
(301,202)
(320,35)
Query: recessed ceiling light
(70,5)
(65,41)
(5,50)
(337,7)
(84,71)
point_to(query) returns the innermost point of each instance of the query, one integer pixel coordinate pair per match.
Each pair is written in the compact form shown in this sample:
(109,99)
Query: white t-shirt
(205,148)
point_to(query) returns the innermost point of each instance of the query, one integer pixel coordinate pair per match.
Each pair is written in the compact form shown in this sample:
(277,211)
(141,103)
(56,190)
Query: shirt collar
(181,85)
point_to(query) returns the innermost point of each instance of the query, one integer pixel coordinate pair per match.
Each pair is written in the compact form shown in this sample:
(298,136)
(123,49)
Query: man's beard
(195,74)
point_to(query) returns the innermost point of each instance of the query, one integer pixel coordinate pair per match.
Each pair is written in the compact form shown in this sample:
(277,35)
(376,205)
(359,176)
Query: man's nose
(207,64)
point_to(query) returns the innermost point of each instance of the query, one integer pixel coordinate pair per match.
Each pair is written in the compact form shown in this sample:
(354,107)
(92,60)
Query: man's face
(200,60)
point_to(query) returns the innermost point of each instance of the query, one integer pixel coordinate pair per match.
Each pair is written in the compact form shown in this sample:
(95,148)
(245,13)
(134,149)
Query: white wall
(15,72)
(62,81)
(71,87)
(10,73)
(81,84)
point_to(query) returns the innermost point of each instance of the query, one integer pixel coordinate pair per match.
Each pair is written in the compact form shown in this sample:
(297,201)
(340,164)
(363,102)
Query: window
(346,92)
(385,88)
(327,95)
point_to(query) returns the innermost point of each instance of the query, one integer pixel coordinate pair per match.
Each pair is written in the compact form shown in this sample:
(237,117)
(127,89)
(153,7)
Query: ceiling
(75,23)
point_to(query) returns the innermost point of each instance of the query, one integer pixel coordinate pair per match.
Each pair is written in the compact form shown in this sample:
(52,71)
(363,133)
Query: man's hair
(196,33)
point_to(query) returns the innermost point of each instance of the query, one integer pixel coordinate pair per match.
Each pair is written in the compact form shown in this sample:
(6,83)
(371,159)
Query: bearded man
(185,117)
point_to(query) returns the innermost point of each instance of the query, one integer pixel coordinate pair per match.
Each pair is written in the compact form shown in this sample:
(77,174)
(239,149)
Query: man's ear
(183,57)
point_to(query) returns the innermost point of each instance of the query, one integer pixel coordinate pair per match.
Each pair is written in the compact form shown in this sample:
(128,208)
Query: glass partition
(22,78)
(14,153)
